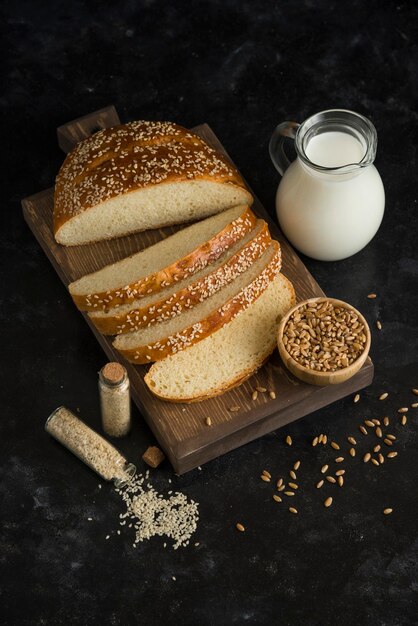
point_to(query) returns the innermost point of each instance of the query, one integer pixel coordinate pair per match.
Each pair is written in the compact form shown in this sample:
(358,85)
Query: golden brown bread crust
(188,297)
(199,258)
(230,384)
(134,156)
(111,142)
(205,327)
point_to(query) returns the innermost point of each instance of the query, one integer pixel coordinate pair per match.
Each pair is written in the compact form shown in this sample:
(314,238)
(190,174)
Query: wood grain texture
(180,429)
(77,130)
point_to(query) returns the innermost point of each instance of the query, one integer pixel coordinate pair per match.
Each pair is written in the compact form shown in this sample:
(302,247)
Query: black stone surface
(242,67)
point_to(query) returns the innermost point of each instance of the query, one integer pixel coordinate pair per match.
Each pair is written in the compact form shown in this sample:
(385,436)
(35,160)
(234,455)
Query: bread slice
(168,261)
(139,176)
(227,357)
(185,294)
(193,325)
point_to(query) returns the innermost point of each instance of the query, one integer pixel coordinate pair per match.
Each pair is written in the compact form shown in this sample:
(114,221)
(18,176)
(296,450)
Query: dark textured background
(242,66)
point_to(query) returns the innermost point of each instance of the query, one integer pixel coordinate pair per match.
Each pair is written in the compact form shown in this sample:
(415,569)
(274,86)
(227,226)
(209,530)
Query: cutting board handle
(71,133)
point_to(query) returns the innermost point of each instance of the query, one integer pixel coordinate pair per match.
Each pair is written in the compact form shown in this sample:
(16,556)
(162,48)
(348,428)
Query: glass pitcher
(330,201)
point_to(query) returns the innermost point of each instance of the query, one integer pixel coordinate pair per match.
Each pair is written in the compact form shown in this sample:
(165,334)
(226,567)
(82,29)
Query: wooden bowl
(314,377)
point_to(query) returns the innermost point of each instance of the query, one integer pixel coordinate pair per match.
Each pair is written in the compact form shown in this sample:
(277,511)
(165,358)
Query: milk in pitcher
(330,201)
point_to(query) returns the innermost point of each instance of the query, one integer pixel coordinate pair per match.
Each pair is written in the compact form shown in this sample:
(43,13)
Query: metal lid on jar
(113,373)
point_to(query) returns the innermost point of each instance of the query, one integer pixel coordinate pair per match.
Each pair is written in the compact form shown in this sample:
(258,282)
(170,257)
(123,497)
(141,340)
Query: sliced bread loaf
(160,340)
(139,176)
(168,261)
(185,294)
(227,357)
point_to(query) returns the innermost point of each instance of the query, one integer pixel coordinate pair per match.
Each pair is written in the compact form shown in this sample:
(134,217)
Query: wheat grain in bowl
(323,341)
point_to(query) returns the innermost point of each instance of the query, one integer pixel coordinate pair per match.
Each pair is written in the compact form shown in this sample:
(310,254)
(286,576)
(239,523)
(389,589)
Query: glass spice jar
(115,401)
(89,446)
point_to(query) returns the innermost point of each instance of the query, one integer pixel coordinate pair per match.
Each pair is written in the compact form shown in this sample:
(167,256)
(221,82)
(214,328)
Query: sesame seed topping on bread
(227,357)
(158,341)
(167,262)
(138,176)
(188,292)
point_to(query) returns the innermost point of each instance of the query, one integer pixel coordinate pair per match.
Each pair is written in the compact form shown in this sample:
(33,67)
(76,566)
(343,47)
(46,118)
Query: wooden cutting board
(180,428)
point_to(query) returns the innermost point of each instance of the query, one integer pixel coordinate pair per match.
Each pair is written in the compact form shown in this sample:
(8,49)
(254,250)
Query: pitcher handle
(276,145)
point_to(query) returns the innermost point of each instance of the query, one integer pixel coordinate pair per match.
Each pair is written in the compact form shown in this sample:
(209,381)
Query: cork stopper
(113,373)
(153,456)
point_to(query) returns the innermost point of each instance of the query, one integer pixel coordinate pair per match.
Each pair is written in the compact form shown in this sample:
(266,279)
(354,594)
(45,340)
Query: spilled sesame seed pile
(150,514)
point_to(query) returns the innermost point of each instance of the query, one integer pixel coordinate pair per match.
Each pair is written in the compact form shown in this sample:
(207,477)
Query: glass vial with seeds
(89,446)
(115,401)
